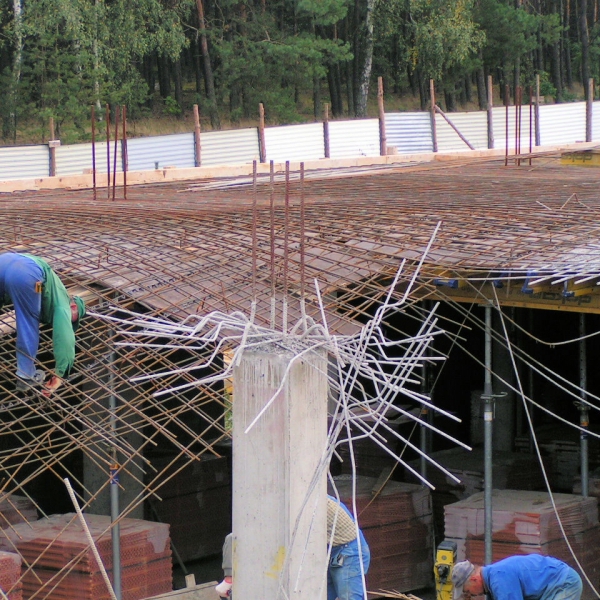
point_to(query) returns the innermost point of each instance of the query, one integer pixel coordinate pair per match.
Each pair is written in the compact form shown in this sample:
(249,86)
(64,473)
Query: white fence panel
(351,139)
(24,162)
(76,159)
(409,132)
(562,123)
(156,152)
(231,147)
(595,121)
(527,125)
(295,142)
(472,125)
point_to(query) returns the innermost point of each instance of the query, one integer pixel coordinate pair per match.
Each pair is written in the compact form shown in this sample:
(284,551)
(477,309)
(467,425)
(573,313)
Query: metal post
(326,130)
(433,126)
(197,147)
(124,155)
(52,148)
(490,106)
(262,146)
(114,478)
(583,409)
(589,104)
(424,441)
(536,112)
(94,149)
(488,419)
(380,102)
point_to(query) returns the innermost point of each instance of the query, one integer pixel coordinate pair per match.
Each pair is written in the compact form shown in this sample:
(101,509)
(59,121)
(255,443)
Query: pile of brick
(192,491)
(525,522)
(10,575)
(58,563)
(16,509)
(512,470)
(397,525)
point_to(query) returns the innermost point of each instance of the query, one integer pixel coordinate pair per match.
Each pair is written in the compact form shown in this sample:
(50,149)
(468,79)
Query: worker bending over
(39,296)
(531,576)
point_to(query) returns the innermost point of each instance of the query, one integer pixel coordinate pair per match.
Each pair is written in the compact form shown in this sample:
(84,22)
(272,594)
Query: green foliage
(171,106)
(445,34)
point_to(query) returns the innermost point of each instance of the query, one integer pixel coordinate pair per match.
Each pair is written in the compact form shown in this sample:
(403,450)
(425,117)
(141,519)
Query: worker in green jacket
(39,296)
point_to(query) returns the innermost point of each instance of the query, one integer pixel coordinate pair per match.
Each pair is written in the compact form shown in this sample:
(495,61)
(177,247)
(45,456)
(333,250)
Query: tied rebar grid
(179,249)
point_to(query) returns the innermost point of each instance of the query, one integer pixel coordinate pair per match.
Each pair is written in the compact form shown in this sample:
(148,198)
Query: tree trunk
(481,89)
(585,47)
(198,66)
(164,76)
(317,104)
(365,75)
(9,124)
(178,84)
(333,91)
(208,73)
(349,72)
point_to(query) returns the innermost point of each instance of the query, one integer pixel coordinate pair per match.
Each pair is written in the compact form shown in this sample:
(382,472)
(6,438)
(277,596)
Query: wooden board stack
(397,525)
(525,522)
(58,563)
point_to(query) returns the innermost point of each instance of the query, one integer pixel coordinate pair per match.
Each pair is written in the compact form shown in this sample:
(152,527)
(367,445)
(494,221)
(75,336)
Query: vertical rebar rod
(506,125)
(488,420)
(114,475)
(108,151)
(125,160)
(537,111)
(302,236)
(94,150)
(254,219)
(516,124)
(381,107)
(326,130)
(530,123)
(52,149)
(272,215)
(490,108)
(286,239)
(583,409)
(197,142)
(115,153)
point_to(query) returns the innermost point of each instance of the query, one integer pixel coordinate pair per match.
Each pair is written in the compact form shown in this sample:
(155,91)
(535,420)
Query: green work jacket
(56,311)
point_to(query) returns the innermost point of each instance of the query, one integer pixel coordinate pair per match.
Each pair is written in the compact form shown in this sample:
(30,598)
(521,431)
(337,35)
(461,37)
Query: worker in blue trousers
(530,576)
(39,297)
(348,549)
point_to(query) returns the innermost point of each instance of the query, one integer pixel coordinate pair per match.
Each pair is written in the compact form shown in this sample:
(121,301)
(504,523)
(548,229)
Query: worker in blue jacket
(530,577)
(39,297)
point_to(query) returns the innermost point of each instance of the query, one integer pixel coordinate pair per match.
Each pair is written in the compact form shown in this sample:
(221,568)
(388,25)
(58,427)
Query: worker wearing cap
(348,549)
(39,296)
(529,576)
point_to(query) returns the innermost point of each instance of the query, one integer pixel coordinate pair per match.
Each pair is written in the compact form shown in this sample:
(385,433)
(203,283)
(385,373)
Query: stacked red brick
(193,491)
(397,525)
(16,509)
(525,523)
(58,563)
(10,575)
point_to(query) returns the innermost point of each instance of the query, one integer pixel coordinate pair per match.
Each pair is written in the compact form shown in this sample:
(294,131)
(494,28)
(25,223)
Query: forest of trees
(58,57)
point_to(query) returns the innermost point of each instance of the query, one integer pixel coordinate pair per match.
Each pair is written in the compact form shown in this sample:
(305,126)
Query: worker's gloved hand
(52,385)
(224,588)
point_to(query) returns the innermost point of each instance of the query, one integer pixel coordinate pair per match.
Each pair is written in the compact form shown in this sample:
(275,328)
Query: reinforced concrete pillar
(279,508)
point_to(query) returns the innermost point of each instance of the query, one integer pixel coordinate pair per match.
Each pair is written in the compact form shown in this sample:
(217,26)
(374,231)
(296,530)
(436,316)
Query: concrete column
(273,467)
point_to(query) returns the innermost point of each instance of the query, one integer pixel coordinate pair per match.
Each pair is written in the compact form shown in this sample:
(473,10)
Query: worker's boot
(29,384)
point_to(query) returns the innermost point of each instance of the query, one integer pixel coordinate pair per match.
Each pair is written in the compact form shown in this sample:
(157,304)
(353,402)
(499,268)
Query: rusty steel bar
(108,151)
(124,150)
(94,149)
(114,189)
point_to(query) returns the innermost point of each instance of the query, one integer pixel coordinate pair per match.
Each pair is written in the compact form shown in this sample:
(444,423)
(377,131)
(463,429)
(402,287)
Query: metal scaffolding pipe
(583,409)
(488,420)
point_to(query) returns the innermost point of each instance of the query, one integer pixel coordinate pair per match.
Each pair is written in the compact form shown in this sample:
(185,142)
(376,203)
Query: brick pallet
(59,565)
(192,491)
(524,522)
(512,470)
(10,575)
(397,525)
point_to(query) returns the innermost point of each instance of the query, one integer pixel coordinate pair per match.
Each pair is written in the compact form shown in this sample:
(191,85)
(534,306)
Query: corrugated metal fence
(406,133)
